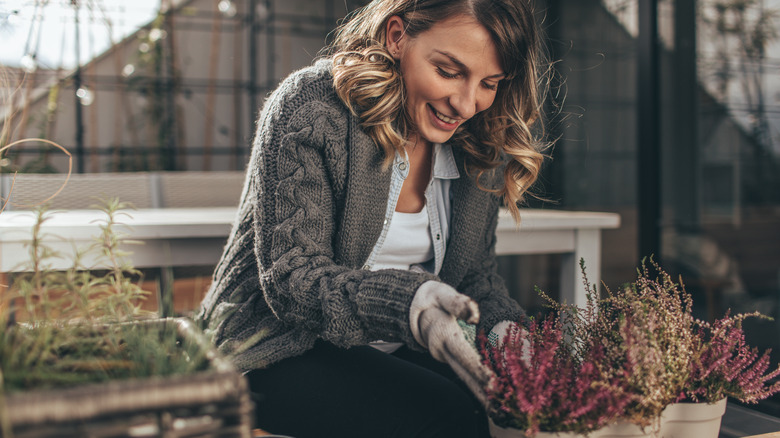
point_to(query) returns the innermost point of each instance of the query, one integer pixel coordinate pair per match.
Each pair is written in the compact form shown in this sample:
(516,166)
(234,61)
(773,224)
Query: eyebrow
(463,66)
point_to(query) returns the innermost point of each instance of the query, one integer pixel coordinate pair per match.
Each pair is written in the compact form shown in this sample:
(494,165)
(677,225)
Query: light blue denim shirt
(437,201)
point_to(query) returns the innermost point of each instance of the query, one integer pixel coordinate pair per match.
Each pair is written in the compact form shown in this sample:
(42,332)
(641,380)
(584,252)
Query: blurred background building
(665,111)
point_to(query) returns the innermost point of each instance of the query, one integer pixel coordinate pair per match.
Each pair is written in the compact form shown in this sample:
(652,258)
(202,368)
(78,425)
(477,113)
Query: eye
(490,86)
(446,74)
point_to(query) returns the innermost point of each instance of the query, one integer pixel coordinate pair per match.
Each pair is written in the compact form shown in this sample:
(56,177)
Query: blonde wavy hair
(369,81)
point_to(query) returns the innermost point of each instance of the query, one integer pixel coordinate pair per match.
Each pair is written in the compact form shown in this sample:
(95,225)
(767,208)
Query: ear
(395,36)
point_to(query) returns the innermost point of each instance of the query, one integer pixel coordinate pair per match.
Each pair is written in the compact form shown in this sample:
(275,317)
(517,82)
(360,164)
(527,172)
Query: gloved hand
(498,334)
(433,316)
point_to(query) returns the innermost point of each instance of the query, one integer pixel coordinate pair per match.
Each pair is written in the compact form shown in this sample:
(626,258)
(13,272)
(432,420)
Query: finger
(437,328)
(460,351)
(476,385)
(460,306)
(471,313)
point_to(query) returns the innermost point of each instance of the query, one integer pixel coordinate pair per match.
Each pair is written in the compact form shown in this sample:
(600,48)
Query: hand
(433,317)
(497,336)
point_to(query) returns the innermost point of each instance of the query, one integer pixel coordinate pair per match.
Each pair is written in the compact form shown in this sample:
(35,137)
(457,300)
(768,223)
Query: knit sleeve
(483,283)
(295,224)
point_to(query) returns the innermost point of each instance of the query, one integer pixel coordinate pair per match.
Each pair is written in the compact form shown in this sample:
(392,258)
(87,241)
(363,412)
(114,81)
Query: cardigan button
(366,267)
(402,166)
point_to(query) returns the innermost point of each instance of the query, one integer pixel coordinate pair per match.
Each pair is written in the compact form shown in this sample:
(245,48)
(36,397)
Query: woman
(367,223)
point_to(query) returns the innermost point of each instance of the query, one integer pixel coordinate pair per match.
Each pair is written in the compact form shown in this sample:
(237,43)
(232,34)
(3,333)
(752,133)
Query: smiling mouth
(444,118)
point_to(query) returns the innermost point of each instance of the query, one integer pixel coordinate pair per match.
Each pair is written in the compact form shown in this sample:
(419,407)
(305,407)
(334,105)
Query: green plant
(78,326)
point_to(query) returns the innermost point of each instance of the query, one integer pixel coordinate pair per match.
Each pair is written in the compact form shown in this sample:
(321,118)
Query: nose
(465,101)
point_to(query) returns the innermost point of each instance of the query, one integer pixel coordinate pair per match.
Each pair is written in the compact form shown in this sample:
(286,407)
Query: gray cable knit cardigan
(311,211)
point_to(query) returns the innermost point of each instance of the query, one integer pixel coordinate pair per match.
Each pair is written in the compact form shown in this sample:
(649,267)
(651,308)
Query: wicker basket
(211,403)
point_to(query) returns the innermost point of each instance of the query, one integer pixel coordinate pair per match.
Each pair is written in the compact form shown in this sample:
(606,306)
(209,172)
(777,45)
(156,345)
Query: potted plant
(648,326)
(655,362)
(547,384)
(625,337)
(78,356)
(722,365)
(710,361)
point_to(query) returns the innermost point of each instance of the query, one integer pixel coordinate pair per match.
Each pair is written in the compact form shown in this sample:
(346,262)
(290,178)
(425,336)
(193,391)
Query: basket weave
(210,403)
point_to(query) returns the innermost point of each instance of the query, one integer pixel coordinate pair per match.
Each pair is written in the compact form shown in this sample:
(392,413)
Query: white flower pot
(700,420)
(500,432)
(623,429)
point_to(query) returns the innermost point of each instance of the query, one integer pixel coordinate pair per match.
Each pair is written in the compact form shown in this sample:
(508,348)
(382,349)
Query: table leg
(165,292)
(6,304)
(587,246)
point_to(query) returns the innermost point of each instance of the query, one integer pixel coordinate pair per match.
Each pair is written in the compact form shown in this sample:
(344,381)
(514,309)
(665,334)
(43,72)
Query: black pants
(364,393)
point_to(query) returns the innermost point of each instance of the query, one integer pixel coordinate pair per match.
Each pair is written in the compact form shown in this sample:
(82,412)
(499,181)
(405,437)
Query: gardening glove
(433,317)
(497,337)
(497,334)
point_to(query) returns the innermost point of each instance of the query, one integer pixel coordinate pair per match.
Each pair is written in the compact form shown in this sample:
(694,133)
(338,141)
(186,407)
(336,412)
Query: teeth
(444,118)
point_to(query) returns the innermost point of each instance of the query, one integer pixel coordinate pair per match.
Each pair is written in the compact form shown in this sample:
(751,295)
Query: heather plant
(626,356)
(645,330)
(544,383)
(648,330)
(682,358)
(724,365)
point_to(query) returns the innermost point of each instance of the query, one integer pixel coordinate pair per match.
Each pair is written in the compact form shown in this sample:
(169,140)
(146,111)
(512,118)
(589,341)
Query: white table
(575,234)
(171,237)
(161,238)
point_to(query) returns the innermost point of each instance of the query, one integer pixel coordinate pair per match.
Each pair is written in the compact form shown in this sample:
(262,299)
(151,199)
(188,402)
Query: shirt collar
(444,166)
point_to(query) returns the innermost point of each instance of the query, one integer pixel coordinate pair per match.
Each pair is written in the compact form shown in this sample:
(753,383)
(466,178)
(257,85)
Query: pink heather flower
(625,356)
(726,366)
(554,390)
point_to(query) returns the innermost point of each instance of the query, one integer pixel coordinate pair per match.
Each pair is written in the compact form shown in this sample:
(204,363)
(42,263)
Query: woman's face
(451,72)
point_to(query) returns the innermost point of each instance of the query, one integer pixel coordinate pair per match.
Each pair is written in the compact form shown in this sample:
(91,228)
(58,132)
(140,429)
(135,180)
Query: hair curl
(368,79)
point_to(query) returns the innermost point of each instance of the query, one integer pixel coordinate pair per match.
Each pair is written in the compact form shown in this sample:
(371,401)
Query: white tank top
(408,241)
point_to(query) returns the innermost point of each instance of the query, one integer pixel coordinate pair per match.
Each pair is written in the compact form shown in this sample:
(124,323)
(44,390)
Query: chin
(438,137)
